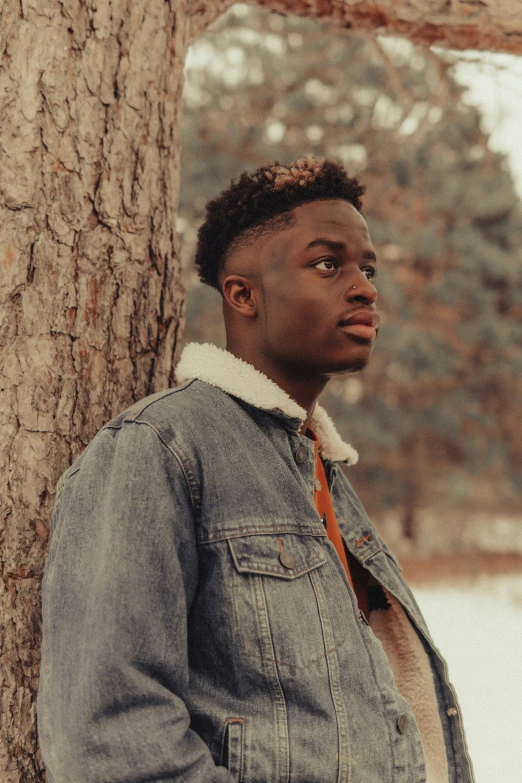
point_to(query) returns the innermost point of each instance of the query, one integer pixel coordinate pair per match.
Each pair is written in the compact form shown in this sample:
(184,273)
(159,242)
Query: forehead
(336,211)
(333,219)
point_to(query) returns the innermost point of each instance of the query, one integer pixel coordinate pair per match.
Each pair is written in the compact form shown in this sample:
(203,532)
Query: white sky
(494,84)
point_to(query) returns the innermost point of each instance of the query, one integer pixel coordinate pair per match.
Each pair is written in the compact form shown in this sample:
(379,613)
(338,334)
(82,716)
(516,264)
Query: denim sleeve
(119,581)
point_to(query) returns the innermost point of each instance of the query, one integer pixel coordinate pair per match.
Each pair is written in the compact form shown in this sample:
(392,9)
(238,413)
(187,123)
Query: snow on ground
(478,629)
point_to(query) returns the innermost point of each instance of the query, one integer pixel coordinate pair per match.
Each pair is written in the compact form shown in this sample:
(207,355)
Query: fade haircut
(261,204)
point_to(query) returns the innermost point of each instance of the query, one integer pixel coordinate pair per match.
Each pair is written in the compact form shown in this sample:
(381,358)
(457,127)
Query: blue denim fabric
(178,645)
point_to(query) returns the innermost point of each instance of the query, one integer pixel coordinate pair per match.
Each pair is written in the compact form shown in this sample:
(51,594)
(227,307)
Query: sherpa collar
(221,368)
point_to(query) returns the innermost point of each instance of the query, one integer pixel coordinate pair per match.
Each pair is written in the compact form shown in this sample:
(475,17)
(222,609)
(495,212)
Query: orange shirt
(356,573)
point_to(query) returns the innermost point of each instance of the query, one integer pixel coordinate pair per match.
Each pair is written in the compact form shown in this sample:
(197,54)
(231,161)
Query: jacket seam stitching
(274,684)
(238,532)
(334,682)
(167,393)
(255,566)
(322,657)
(187,473)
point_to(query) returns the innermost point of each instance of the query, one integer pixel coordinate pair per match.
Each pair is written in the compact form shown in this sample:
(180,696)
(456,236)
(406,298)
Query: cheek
(290,305)
(297,324)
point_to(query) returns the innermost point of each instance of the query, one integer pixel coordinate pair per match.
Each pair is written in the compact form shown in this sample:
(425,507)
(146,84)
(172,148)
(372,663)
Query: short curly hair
(261,203)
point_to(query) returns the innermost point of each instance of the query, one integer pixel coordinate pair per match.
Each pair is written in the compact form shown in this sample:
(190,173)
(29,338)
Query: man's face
(314,281)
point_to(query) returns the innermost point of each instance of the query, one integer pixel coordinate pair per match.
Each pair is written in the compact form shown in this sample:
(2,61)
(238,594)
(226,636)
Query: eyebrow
(369,255)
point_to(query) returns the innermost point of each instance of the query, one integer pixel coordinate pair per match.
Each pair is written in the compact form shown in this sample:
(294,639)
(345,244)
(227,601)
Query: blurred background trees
(436,416)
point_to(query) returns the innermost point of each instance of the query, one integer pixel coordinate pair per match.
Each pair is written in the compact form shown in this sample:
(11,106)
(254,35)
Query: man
(217,606)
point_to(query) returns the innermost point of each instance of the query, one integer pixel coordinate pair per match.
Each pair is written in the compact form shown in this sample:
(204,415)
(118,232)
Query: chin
(353,363)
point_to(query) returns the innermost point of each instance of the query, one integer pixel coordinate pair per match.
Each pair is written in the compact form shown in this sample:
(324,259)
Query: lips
(368,317)
(363,323)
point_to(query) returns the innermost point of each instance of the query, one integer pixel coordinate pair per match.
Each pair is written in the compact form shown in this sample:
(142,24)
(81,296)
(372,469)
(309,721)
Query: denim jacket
(198,624)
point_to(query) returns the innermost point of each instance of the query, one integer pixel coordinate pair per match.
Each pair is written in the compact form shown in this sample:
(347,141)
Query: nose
(360,289)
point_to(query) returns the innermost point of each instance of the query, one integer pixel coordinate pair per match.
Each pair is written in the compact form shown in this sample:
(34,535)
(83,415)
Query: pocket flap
(286,556)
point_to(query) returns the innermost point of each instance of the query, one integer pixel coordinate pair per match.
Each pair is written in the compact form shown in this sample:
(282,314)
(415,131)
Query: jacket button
(301,454)
(452,711)
(402,723)
(287,560)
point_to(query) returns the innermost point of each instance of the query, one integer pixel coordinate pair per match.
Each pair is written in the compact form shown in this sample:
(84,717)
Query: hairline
(269,228)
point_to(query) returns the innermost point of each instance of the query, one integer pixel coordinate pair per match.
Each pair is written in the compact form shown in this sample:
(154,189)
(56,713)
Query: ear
(238,293)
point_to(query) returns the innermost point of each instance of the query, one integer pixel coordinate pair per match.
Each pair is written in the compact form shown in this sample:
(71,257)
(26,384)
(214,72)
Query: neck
(304,389)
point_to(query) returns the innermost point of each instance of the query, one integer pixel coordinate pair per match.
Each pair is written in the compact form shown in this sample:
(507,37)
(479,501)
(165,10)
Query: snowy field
(478,629)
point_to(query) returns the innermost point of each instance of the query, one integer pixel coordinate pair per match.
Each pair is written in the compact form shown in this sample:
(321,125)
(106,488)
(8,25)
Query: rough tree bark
(90,291)
(91,299)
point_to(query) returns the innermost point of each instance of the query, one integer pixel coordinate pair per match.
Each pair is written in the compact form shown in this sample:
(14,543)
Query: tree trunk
(90,291)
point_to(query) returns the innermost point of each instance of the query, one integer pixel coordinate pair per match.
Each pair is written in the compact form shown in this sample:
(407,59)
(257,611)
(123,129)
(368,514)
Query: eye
(370,272)
(329,264)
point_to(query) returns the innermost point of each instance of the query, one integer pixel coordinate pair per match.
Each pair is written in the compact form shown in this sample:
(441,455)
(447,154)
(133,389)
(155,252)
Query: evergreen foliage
(436,416)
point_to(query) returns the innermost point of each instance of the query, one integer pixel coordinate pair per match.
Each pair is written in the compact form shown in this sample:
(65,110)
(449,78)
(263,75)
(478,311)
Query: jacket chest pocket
(280,616)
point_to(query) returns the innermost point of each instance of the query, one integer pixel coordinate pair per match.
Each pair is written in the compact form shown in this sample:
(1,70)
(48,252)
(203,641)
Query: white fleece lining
(414,680)
(221,368)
